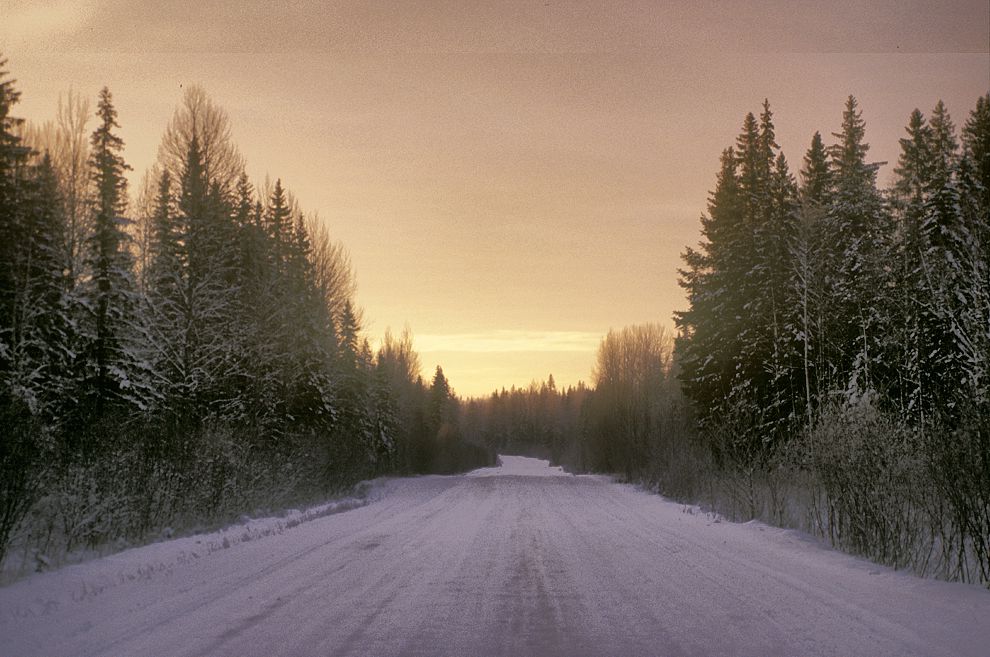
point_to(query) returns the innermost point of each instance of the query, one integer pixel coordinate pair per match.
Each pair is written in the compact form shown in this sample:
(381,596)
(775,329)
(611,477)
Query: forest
(830,372)
(174,357)
(171,362)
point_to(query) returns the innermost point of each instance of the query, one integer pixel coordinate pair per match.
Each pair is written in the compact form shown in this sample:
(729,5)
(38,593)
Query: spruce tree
(31,347)
(205,350)
(859,225)
(13,162)
(816,177)
(911,191)
(949,264)
(709,328)
(111,369)
(782,405)
(805,256)
(976,141)
(914,166)
(42,321)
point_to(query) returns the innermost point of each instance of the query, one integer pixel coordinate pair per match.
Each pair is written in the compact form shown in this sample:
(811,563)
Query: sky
(511,179)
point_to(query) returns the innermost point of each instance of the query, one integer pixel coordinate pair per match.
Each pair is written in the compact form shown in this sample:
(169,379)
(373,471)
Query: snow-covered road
(518,560)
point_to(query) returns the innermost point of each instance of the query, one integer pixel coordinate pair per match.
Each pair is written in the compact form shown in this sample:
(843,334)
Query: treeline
(844,330)
(624,424)
(188,357)
(831,370)
(539,421)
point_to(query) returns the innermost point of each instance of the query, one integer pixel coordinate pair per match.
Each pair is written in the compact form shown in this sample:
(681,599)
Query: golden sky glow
(511,179)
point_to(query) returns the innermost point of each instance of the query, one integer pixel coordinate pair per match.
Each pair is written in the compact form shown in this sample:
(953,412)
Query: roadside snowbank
(90,578)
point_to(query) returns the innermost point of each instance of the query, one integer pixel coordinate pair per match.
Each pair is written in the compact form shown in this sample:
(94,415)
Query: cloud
(509,341)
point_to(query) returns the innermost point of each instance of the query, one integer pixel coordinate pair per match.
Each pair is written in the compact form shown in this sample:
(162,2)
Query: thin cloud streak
(509,341)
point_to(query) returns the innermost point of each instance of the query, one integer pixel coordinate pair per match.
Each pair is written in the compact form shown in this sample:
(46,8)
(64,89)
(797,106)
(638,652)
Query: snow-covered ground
(518,560)
(520,466)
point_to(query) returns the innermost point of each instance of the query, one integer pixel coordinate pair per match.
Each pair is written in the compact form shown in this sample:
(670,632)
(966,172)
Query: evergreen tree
(816,176)
(859,225)
(805,255)
(782,397)
(976,141)
(30,305)
(41,323)
(949,263)
(13,154)
(751,286)
(13,160)
(914,167)
(164,294)
(439,396)
(738,349)
(279,225)
(911,191)
(354,428)
(203,343)
(111,370)
(711,325)
(167,261)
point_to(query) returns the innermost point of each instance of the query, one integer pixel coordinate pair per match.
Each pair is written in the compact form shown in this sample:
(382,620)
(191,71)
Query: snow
(520,466)
(517,560)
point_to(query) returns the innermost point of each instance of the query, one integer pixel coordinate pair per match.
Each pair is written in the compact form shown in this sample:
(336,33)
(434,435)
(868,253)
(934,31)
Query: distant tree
(439,396)
(625,424)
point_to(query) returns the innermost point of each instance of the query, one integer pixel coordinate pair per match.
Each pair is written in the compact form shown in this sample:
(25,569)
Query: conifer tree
(42,322)
(805,249)
(711,325)
(739,347)
(816,176)
(13,162)
(439,396)
(783,363)
(911,191)
(914,166)
(858,222)
(166,263)
(976,141)
(164,294)
(31,348)
(111,369)
(949,264)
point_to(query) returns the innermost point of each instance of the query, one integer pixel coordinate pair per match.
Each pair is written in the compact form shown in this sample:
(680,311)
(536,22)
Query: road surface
(515,561)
